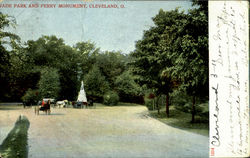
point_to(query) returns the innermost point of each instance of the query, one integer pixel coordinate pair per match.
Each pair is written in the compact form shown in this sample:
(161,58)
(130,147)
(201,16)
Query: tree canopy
(173,54)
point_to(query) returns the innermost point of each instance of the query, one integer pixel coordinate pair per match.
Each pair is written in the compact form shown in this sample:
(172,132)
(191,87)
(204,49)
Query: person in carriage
(45,107)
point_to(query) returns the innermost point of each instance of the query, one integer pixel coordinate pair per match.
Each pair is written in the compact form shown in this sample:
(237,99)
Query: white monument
(82,95)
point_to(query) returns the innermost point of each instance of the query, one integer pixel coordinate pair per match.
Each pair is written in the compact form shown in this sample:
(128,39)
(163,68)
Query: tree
(95,84)
(8,41)
(192,57)
(111,64)
(51,52)
(86,52)
(151,56)
(49,84)
(174,53)
(31,97)
(127,88)
(188,47)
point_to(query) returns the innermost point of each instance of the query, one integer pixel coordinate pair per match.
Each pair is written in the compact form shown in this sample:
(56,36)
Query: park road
(105,132)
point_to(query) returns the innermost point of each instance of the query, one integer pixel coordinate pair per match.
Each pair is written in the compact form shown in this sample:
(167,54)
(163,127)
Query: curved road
(108,132)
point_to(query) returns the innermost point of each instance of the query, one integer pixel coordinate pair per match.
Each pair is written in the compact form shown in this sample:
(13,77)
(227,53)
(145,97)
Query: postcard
(124,78)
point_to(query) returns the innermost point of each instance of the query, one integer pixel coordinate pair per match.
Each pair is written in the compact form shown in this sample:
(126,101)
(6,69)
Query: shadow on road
(16,143)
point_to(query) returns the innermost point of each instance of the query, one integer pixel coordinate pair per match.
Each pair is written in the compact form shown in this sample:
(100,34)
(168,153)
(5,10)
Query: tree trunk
(157,104)
(167,104)
(153,106)
(193,110)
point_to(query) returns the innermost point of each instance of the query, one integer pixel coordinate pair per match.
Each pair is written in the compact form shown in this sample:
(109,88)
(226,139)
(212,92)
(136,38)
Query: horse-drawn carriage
(44,106)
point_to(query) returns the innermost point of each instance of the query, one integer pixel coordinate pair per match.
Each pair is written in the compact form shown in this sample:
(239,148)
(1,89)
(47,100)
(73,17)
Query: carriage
(46,107)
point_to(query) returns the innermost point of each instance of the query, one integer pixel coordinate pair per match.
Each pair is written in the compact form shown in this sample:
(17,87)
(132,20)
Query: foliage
(7,38)
(111,65)
(192,57)
(110,98)
(126,87)
(95,84)
(149,103)
(50,51)
(49,84)
(31,97)
(8,43)
(86,52)
(183,102)
(22,65)
(152,57)
(154,102)
(174,54)
(203,112)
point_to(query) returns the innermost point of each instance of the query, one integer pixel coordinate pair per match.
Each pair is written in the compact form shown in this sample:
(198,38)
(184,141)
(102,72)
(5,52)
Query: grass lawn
(182,120)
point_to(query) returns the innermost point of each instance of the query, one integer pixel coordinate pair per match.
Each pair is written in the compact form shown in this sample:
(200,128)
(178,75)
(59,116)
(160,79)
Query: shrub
(149,103)
(31,97)
(126,87)
(110,98)
(203,112)
(149,100)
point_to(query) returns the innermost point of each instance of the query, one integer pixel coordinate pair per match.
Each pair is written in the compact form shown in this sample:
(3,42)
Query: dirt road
(117,132)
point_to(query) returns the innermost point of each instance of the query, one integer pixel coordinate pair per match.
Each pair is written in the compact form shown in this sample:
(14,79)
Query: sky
(111,29)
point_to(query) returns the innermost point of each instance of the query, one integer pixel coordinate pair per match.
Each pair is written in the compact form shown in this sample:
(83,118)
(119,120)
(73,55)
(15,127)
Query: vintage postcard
(124,78)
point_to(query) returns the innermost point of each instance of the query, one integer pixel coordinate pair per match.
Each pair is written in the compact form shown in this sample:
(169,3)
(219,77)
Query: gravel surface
(108,132)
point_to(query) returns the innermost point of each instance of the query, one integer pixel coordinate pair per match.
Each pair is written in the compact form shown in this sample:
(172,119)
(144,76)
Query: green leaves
(95,83)
(9,42)
(126,85)
(49,84)
(174,53)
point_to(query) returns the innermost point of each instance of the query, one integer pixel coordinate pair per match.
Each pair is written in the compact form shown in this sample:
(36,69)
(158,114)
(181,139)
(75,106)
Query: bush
(149,103)
(110,98)
(203,112)
(31,97)
(127,88)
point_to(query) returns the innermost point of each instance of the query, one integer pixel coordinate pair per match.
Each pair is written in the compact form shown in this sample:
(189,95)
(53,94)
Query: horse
(60,104)
(45,108)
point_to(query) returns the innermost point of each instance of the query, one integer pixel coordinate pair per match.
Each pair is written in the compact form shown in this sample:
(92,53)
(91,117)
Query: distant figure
(42,103)
(48,104)
(45,106)
(42,106)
